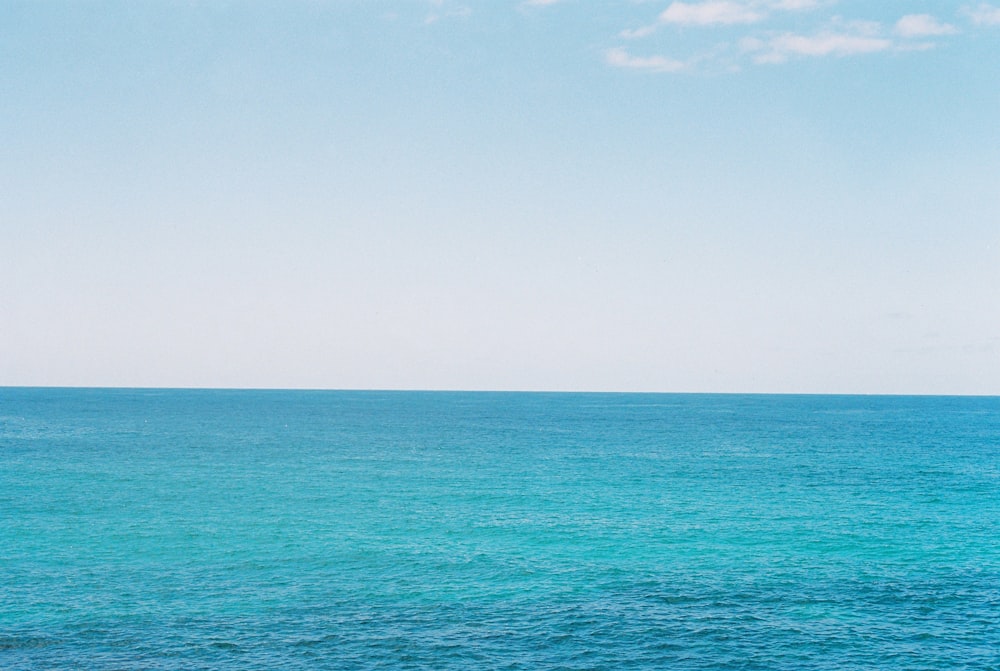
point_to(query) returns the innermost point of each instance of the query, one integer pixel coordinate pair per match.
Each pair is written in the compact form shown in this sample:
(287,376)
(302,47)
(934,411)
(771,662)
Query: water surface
(156,529)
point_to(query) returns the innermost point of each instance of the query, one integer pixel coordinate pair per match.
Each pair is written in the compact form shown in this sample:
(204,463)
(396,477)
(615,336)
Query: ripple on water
(240,530)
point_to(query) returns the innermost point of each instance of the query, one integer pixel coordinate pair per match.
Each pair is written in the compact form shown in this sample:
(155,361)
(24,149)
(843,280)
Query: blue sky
(752,195)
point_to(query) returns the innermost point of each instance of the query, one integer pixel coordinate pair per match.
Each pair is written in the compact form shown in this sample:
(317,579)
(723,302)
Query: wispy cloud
(983,14)
(794,5)
(538,3)
(710,13)
(620,58)
(833,36)
(720,13)
(458,12)
(780,48)
(923,25)
(440,11)
(633,33)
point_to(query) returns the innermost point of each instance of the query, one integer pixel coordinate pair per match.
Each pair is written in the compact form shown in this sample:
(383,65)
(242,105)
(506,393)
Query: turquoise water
(148,529)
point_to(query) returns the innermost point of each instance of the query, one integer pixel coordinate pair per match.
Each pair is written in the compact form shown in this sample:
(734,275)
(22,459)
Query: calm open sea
(154,529)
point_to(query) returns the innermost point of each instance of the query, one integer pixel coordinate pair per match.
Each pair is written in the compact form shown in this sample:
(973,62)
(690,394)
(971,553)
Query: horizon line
(414,390)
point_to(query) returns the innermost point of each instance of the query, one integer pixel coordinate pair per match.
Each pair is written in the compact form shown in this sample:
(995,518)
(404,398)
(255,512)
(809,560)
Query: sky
(790,196)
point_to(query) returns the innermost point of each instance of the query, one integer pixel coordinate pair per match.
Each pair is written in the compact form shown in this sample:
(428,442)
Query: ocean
(206,529)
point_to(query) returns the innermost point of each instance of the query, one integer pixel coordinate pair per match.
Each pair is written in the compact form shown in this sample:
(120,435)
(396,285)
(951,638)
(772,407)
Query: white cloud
(855,27)
(637,32)
(718,12)
(458,12)
(622,59)
(840,37)
(539,3)
(922,25)
(793,5)
(779,48)
(711,12)
(984,14)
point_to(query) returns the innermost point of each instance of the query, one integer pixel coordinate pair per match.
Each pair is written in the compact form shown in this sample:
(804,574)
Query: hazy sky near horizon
(731,196)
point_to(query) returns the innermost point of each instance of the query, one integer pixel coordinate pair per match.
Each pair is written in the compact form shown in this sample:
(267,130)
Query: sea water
(156,529)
